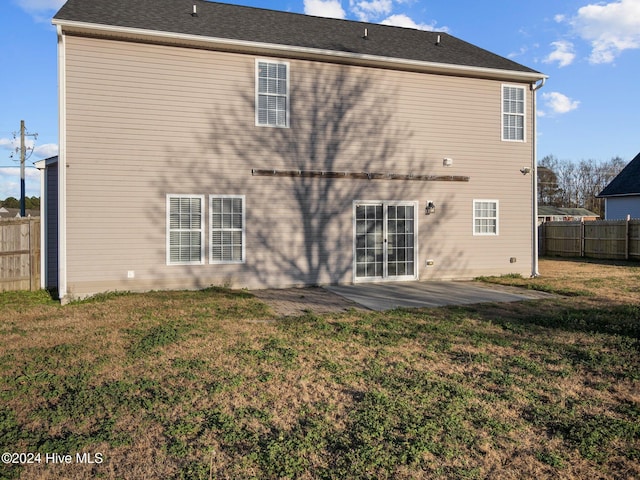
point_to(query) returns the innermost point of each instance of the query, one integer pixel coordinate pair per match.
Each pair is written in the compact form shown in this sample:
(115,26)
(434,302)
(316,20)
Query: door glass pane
(376,258)
(369,241)
(392,212)
(400,246)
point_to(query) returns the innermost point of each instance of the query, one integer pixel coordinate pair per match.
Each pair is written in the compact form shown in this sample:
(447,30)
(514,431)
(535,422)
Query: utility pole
(22,159)
(23,154)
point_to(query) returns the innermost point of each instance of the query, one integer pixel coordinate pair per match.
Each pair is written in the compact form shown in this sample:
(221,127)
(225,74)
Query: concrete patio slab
(386,296)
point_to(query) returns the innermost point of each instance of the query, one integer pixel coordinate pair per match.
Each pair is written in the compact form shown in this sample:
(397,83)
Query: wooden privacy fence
(20,254)
(609,239)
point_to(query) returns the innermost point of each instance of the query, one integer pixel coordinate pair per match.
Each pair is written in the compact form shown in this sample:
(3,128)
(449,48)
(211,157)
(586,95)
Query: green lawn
(212,384)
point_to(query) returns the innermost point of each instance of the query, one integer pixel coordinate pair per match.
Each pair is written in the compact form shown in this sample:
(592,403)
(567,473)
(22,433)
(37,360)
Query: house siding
(144,121)
(617,208)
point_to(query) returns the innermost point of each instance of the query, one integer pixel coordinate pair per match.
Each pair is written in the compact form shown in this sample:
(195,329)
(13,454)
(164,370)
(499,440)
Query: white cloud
(9,171)
(9,186)
(10,182)
(563,53)
(611,28)
(35,6)
(45,151)
(402,20)
(368,10)
(559,103)
(519,53)
(39,151)
(382,11)
(40,10)
(324,8)
(15,172)
(10,145)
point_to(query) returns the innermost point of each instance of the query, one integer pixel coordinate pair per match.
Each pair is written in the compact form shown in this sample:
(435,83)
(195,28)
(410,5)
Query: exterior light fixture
(430,208)
(525,170)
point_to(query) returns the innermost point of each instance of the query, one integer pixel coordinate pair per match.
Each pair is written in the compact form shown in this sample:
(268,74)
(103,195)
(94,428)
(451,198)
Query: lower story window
(227,229)
(485,217)
(185,229)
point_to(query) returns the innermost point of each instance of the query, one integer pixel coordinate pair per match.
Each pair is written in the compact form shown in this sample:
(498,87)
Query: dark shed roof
(248,24)
(627,182)
(548,210)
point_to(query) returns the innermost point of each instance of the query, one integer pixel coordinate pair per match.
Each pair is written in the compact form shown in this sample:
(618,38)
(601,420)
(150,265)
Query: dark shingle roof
(219,20)
(548,210)
(627,182)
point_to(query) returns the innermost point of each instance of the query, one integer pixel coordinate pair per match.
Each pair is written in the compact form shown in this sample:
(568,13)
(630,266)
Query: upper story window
(513,113)
(272,93)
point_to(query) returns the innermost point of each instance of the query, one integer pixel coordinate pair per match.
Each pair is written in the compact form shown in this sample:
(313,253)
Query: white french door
(385,236)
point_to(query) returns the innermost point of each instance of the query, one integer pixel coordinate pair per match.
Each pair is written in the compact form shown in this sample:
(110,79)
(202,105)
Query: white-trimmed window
(227,232)
(513,112)
(485,217)
(185,229)
(272,93)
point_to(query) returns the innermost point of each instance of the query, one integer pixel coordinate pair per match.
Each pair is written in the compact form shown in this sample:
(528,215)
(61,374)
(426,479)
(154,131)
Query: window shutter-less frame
(513,113)
(227,233)
(185,229)
(485,217)
(272,93)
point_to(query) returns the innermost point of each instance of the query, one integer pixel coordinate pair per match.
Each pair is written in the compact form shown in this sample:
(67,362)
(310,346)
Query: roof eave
(610,195)
(70,26)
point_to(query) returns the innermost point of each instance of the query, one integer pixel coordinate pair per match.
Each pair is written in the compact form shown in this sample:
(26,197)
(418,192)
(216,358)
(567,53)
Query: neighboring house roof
(548,211)
(299,33)
(15,212)
(45,162)
(627,182)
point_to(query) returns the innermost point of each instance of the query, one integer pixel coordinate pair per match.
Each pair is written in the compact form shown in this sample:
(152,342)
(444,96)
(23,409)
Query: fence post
(626,238)
(34,257)
(582,237)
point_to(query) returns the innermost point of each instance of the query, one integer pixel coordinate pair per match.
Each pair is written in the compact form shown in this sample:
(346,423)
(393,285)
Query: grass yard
(213,384)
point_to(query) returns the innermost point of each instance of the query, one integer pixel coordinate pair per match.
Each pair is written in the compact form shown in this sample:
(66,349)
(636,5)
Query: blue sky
(588,109)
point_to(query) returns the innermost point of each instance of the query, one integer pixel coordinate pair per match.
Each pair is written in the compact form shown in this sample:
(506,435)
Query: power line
(15,166)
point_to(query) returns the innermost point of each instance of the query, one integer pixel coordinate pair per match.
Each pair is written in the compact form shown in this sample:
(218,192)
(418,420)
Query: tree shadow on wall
(299,229)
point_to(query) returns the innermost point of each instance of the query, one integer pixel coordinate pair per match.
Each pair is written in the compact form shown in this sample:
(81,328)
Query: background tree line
(30,203)
(562,183)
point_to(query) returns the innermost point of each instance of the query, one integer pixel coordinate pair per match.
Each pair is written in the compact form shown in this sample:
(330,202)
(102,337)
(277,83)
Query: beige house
(211,144)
